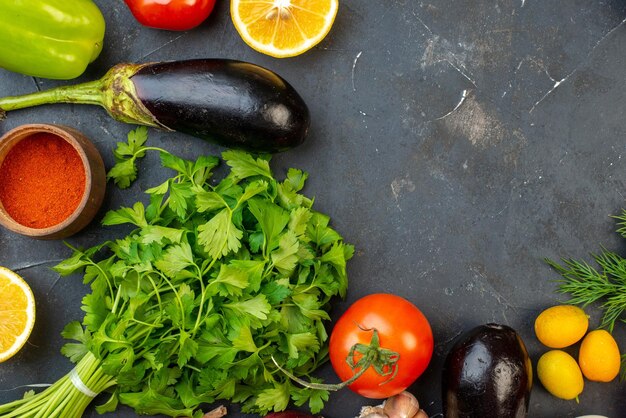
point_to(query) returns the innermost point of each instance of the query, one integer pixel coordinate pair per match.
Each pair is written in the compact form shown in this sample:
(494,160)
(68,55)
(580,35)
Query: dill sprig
(587,285)
(605,285)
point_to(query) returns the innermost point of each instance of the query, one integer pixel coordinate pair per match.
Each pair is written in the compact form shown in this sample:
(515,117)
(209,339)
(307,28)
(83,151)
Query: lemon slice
(283,28)
(17,313)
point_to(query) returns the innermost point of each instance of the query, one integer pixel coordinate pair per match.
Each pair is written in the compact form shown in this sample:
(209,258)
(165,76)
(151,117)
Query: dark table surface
(454,143)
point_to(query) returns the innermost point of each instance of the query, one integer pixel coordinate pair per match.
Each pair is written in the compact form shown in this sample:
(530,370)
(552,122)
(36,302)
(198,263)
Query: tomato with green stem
(170,14)
(385,340)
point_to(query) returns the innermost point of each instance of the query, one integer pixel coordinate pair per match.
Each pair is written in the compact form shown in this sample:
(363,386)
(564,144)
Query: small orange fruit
(599,357)
(283,28)
(559,373)
(17,313)
(561,326)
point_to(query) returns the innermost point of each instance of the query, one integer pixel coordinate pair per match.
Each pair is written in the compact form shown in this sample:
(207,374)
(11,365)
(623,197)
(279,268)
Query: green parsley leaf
(276,398)
(253,189)
(202,168)
(175,259)
(161,189)
(209,201)
(74,351)
(219,354)
(298,220)
(135,216)
(150,402)
(188,348)
(124,172)
(210,378)
(285,258)
(288,190)
(257,307)
(175,163)
(231,280)
(272,219)
(319,231)
(180,193)
(160,234)
(244,165)
(315,397)
(109,406)
(220,236)
(301,342)
(96,310)
(76,262)
(252,269)
(136,141)
(276,291)
(244,341)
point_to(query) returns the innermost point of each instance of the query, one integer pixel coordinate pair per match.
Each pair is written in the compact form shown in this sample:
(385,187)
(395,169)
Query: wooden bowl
(95,181)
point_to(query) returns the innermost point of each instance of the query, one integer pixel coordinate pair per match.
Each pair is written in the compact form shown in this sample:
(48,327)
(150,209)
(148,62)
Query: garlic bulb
(402,405)
(372,412)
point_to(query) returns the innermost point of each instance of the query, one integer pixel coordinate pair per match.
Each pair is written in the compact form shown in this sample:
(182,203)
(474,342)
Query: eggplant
(233,103)
(487,373)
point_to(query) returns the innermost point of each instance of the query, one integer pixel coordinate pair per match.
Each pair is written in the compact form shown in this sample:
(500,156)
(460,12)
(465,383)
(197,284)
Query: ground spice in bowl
(52,181)
(42,181)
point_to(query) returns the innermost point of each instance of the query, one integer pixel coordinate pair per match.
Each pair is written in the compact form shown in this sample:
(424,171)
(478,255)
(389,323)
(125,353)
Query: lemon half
(283,28)
(17,313)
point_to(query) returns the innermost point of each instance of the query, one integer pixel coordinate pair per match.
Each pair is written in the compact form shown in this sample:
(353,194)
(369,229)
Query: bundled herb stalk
(607,285)
(189,308)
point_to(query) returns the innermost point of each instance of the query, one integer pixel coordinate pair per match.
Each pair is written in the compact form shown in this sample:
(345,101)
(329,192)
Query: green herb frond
(621,222)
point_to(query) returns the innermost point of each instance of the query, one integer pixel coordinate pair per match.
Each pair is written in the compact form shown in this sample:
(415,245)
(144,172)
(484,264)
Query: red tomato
(401,327)
(170,14)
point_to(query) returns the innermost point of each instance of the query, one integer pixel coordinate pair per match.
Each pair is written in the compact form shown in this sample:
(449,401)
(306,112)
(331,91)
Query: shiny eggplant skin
(487,373)
(233,103)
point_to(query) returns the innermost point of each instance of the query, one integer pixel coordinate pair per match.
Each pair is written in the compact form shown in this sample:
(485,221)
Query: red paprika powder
(42,181)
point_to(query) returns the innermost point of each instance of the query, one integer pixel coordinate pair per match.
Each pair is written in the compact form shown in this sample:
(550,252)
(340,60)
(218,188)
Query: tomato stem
(383,360)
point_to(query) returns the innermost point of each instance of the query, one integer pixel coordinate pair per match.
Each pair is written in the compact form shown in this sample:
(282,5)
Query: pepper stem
(115,92)
(383,360)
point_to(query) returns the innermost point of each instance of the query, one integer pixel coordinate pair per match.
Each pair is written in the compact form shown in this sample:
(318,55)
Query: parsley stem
(177,296)
(202,297)
(118,295)
(63,399)
(320,386)
(384,362)
(104,274)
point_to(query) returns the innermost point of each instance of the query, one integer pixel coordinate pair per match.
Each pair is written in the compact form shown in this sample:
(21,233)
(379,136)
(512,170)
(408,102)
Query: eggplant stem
(115,92)
(85,93)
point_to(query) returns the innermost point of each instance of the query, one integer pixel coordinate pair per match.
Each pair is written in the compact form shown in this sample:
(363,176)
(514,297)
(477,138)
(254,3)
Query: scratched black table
(454,143)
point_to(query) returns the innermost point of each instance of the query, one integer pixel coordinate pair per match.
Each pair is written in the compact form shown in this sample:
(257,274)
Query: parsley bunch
(215,280)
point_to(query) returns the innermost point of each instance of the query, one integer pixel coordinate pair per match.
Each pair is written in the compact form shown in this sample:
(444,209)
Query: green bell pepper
(50,38)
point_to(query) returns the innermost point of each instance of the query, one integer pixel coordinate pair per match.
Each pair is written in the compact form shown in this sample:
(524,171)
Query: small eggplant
(236,104)
(487,373)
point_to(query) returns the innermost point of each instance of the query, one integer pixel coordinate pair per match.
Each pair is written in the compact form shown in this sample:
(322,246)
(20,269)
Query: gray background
(452,206)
